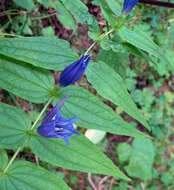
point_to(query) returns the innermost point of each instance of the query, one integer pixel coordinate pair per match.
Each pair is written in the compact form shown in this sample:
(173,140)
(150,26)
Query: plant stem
(12,159)
(41,113)
(90,47)
(9,12)
(44,17)
(157,3)
(101,37)
(106,34)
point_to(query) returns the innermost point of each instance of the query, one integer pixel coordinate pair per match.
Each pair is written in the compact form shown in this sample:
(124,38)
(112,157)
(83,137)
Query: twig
(111,183)
(91,182)
(44,16)
(142,186)
(9,12)
(107,25)
(37,160)
(157,3)
(100,185)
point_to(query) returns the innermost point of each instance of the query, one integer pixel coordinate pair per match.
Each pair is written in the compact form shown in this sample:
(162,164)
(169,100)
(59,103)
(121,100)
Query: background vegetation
(148,76)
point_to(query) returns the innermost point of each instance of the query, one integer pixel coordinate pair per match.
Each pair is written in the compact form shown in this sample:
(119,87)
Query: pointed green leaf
(123,152)
(45,52)
(27,4)
(25,175)
(114,6)
(25,81)
(141,40)
(13,126)
(64,15)
(81,155)
(79,10)
(107,12)
(45,3)
(141,159)
(3,159)
(93,113)
(110,85)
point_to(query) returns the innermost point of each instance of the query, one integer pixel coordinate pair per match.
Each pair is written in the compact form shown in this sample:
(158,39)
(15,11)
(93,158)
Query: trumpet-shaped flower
(129,5)
(54,125)
(74,71)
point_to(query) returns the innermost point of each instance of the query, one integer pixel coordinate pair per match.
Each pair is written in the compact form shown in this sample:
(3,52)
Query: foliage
(126,93)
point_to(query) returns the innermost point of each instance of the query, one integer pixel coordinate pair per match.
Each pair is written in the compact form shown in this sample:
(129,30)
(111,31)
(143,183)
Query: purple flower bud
(74,72)
(54,125)
(128,5)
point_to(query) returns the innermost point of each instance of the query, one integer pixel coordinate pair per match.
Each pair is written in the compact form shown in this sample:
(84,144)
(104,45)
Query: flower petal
(128,5)
(74,72)
(56,126)
(47,130)
(53,111)
(66,138)
(63,122)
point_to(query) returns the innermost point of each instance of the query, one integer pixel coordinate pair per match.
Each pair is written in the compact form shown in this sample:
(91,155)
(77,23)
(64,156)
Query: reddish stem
(157,3)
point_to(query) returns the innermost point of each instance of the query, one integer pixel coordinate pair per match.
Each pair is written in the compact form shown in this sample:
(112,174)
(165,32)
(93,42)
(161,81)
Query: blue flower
(54,125)
(74,72)
(128,5)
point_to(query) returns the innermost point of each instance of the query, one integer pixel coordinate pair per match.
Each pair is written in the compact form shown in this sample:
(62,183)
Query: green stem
(90,47)
(102,36)
(41,113)
(12,160)
(32,127)
(100,39)
(106,34)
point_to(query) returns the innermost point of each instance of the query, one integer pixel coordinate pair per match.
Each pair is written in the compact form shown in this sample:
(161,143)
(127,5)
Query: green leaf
(3,159)
(141,159)
(94,29)
(25,81)
(13,126)
(27,4)
(141,40)
(93,113)
(64,16)
(117,60)
(45,3)
(107,13)
(114,6)
(25,175)
(122,186)
(110,85)
(79,10)
(166,178)
(123,151)
(48,31)
(81,155)
(45,52)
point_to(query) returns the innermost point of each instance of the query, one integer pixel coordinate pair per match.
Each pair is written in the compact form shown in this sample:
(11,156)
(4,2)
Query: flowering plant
(79,89)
